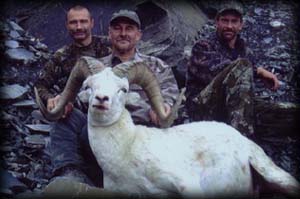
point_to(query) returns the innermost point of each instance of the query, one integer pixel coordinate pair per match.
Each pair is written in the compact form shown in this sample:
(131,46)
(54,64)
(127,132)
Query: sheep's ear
(125,81)
(133,98)
(89,82)
(86,82)
(85,91)
(84,95)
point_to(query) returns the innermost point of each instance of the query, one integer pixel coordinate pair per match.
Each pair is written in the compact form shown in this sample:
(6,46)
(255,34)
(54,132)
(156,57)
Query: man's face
(124,36)
(79,24)
(228,26)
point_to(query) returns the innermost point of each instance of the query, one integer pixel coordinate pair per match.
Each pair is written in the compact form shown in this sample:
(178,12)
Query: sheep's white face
(107,97)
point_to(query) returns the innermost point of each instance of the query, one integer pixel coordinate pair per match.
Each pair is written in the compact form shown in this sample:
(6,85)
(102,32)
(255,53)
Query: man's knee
(243,61)
(242,64)
(241,71)
(77,117)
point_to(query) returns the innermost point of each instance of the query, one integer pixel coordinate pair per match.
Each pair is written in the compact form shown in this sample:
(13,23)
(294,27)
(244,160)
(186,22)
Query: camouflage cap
(127,14)
(231,5)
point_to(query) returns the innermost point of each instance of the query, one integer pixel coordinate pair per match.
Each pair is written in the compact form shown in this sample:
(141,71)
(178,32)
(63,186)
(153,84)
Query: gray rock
(32,49)
(268,40)
(41,46)
(284,56)
(16,27)
(39,127)
(5,27)
(6,148)
(20,54)
(258,11)
(11,44)
(278,52)
(276,67)
(37,115)
(6,117)
(25,103)
(187,51)
(175,27)
(12,91)
(277,24)
(35,140)
(9,182)
(14,34)
(250,19)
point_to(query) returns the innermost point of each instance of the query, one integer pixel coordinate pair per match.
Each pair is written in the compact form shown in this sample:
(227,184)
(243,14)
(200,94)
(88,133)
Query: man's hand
(268,77)
(52,103)
(154,117)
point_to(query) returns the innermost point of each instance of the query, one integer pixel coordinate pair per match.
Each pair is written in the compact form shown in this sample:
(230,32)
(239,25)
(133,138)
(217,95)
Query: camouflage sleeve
(251,57)
(47,78)
(206,60)
(139,108)
(205,63)
(197,68)
(103,45)
(167,81)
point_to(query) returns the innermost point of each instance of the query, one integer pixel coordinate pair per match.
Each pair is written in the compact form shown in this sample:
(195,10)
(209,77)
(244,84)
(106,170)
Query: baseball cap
(126,14)
(231,5)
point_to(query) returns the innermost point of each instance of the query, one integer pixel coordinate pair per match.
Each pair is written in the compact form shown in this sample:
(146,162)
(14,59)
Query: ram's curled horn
(139,73)
(84,67)
(136,73)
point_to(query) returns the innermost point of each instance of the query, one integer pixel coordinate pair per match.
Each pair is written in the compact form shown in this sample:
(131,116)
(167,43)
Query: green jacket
(54,75)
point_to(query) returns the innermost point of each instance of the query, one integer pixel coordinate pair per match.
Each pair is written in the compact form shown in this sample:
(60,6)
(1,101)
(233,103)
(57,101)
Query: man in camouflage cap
(220,74)
(130,15)
(124,34)
(231,6)
(68,155)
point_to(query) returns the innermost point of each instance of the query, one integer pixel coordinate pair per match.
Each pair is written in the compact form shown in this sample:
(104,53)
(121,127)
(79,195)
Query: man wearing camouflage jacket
(69,148)
(220,74)
(124,34)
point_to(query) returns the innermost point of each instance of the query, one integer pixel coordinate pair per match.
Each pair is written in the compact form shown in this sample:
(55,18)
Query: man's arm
(168,85)
(48,76)
(199,72)
(269,77)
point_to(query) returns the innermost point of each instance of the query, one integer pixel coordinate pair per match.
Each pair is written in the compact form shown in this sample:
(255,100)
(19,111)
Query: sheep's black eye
(124,90)
(86,87)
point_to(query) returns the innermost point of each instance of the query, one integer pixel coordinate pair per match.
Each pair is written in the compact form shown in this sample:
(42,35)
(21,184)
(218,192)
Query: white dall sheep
(196,159)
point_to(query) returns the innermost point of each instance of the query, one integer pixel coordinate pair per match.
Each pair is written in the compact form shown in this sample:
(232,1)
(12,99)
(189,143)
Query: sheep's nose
(102,99)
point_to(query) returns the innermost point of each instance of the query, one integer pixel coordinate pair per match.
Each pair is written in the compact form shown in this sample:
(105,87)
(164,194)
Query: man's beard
(228,35)
(121,48)
(75,34)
